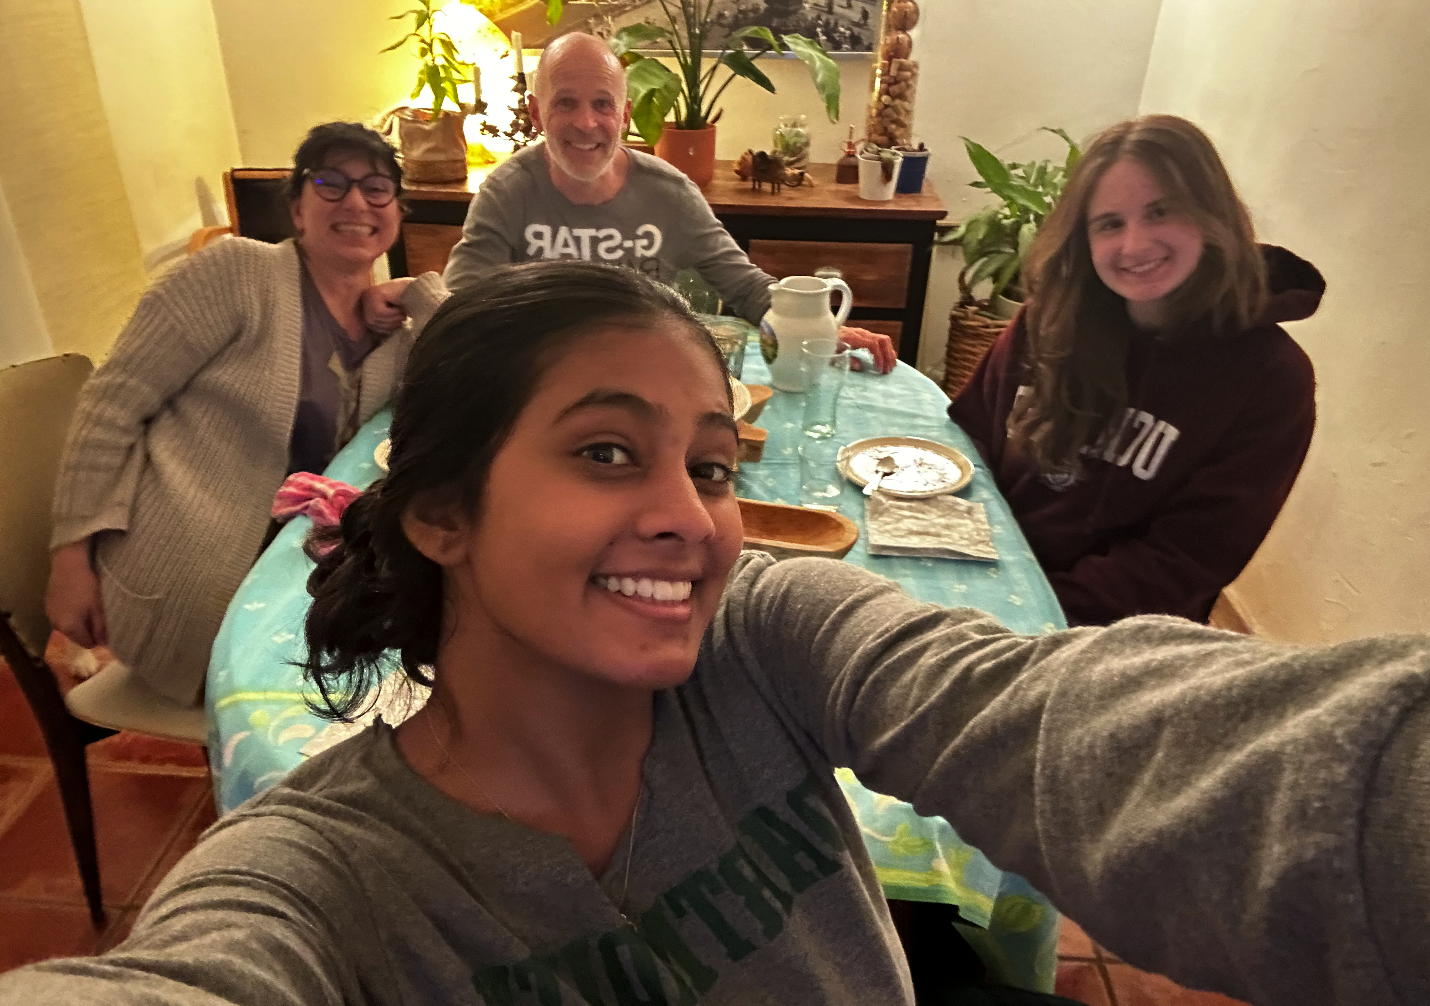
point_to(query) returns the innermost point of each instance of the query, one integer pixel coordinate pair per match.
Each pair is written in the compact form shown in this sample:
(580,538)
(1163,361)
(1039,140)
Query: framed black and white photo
(840,26)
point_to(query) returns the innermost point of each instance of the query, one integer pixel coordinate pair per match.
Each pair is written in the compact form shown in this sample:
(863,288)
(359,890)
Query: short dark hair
(347,137)
(470,374)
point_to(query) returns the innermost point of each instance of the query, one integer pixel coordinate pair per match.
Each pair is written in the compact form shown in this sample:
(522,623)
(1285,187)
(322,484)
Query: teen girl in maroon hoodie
(1145,416)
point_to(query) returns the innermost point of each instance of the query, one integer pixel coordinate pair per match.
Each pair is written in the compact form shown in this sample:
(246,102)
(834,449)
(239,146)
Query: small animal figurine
(759,167)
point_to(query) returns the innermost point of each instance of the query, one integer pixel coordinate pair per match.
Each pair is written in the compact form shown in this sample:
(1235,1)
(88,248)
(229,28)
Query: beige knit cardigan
(180,441)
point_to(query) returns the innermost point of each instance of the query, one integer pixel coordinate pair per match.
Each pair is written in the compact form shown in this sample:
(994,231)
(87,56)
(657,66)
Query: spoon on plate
(882,467)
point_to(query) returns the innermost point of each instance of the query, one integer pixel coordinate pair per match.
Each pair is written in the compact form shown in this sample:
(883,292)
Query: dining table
(262,724)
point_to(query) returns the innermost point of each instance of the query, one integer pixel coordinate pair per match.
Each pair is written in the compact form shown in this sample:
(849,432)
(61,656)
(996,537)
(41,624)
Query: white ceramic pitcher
(799,310)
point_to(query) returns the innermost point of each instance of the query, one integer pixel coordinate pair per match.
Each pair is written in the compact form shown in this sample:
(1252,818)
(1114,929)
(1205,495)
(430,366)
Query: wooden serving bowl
(787,532)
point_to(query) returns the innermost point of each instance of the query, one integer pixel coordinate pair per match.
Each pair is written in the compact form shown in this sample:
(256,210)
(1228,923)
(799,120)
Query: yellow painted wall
(23,335)
(1320,110)
(163,90)
(61,177)
(291,66)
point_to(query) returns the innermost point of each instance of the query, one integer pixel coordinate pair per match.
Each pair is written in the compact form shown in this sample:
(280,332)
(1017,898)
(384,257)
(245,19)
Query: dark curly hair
(471,372)
(347,138)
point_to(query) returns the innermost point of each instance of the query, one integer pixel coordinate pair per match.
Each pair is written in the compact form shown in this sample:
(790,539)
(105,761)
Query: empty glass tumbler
(821,485)
(826,362)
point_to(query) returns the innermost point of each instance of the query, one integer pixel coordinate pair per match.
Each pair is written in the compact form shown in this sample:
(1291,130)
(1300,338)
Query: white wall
(997,70)
(1321,111)
(162,84)
(23,335)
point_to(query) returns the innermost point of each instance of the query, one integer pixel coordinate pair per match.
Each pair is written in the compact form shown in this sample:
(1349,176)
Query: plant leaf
(399,43)
(1028,197)
(993,171)
(637,36)
(742,66)
(758,31)
(1074,151)
(988,265)
(553,11)
(1026,234)
(822,70)
(652,88)
(1005,275)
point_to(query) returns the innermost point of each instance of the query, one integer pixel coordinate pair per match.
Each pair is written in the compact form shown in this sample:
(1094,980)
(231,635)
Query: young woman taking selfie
(621,789)
(1145,416)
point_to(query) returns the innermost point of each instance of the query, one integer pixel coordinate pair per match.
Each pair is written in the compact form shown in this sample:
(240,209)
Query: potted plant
(434,148)
(878,171)
(693,92)
(996,240)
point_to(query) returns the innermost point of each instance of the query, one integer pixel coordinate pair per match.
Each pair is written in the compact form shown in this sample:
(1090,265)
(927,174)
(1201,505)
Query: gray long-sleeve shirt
(658,224)
(1243,816)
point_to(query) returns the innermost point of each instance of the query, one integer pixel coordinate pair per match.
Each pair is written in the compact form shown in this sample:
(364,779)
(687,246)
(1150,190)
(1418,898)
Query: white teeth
(655,590)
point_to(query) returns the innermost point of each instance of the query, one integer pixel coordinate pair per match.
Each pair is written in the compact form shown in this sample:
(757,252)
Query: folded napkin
(944,527)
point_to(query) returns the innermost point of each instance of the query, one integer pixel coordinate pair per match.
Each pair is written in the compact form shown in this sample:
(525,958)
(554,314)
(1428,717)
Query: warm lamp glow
(481,42)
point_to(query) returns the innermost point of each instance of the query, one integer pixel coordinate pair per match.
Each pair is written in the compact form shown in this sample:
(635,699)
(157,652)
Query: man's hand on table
(381,305)
(881,347)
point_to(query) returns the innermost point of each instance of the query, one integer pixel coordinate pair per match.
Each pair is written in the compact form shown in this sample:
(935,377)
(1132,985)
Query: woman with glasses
(245,363)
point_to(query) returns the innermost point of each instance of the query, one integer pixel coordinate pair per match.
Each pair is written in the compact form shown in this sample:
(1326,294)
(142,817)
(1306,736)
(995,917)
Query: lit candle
(516,48)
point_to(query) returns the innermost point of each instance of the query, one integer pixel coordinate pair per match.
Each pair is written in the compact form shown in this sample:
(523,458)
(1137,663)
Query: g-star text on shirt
(607,243)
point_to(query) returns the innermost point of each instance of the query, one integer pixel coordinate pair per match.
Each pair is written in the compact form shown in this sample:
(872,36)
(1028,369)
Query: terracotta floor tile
(1082,981)
(136,816)
(33,932)
(19,779)
(1073,942)
(200,817)
(19,733)
(119,925)
(1141,988)
(130,748)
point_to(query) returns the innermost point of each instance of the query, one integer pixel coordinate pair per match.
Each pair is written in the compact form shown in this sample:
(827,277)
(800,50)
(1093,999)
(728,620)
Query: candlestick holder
(522,130)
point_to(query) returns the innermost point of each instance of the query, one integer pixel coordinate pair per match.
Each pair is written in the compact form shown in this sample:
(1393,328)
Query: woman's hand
(381,305)
(881,347)
(72,599)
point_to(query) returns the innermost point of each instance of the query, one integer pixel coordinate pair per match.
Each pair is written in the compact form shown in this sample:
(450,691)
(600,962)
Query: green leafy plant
(995,240)
(888,157)
(440,69)
(693,92)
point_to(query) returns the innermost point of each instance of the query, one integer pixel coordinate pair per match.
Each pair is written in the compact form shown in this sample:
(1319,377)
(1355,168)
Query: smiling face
(1140,247)
(609,522)
(581,106)
(349,233)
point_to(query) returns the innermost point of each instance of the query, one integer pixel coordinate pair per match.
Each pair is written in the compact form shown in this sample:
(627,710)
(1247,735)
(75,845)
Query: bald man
(581,194)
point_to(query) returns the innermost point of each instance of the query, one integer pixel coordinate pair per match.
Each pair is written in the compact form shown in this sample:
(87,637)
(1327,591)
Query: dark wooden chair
(257,201)
(37,400)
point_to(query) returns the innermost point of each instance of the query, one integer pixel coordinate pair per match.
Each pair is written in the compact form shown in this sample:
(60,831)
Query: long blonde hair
(1078,329)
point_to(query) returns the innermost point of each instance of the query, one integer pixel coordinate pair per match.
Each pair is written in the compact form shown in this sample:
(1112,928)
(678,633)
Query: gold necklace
(630,843)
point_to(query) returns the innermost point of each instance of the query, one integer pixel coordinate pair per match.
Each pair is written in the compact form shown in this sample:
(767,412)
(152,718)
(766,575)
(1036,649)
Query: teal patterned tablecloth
(259,720)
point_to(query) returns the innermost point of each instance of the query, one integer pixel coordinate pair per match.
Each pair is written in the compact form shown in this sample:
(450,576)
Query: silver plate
(926,468)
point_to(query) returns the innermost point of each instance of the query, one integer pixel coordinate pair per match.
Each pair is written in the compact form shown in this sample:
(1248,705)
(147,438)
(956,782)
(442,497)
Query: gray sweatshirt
(1240,815)
(658,224)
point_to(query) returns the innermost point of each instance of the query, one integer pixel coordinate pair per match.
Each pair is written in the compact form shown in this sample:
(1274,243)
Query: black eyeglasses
(332,185)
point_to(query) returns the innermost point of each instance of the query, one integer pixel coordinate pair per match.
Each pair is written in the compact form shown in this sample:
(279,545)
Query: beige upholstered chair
(36,400)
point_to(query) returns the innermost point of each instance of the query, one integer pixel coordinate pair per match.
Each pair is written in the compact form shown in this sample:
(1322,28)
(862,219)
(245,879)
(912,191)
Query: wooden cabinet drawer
(428,245)
(877,273)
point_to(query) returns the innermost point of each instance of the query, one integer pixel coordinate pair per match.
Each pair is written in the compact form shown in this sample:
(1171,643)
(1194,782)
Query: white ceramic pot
(871,178)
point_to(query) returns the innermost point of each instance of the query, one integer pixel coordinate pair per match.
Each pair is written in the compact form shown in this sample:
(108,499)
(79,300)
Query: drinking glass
(826,362)
(730,335)
(820,484)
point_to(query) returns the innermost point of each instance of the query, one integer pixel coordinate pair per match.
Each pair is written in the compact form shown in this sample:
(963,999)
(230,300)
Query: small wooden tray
(759,395)
(790,531)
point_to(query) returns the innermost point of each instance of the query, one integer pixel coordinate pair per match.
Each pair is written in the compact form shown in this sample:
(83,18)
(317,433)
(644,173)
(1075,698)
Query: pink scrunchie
(317,496)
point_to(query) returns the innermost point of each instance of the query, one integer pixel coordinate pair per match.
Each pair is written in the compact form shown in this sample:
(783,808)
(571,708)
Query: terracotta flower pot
(690,150)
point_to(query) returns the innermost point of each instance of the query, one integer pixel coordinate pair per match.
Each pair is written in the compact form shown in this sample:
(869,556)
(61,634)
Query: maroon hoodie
(1171,509)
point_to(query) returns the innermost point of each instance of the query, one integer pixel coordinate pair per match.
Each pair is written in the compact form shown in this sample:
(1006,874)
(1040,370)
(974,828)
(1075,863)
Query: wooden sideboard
(882,249)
